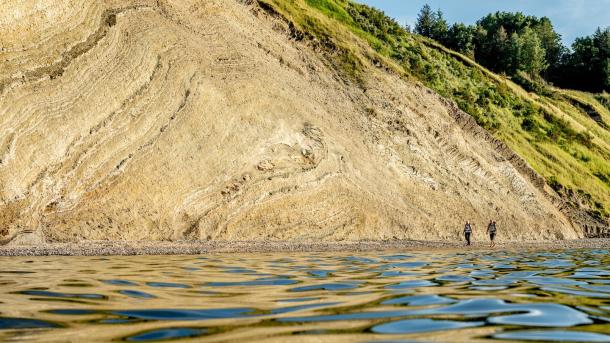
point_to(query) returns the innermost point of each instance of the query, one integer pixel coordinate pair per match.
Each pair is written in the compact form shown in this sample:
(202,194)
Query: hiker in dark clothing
(491,230)
(467,232)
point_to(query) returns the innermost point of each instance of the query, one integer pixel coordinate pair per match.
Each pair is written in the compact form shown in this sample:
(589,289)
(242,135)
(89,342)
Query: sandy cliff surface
(155,120)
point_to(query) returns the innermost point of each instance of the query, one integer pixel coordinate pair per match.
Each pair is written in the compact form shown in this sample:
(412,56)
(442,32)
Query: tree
(500,49)
(496,48)
(439,27)
(601,62)
(514,51)
(549,40)
(532,56)
(425,21)
(587,67)
(461,38)
(431,24)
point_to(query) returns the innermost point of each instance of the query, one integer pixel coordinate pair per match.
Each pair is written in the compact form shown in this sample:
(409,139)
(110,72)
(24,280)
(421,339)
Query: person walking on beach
(491,230)
(467,232)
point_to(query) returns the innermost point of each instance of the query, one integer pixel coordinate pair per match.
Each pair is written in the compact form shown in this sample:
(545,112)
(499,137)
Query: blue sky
(571,18)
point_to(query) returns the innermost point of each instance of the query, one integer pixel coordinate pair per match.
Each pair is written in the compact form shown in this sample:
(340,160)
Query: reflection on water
(417,297)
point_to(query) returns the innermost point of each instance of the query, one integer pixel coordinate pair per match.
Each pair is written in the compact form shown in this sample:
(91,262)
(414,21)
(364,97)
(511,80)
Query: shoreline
(117,248)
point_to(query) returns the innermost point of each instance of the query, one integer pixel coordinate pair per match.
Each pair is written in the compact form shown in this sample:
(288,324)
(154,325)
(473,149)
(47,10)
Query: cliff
(219,120)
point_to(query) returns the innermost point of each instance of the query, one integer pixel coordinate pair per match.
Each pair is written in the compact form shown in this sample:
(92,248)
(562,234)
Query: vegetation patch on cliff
(560,133)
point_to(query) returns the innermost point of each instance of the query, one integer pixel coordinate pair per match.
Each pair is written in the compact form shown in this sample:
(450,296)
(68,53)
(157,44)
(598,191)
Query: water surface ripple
(497,296)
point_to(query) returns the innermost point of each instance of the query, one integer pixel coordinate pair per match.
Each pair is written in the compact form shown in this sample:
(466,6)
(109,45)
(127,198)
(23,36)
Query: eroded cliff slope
(157,120)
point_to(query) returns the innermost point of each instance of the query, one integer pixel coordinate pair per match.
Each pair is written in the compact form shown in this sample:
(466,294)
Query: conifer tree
(425,21)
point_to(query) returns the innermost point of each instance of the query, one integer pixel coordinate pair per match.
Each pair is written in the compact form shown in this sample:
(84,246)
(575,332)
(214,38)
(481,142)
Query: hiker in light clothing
(467,232)
(491,230)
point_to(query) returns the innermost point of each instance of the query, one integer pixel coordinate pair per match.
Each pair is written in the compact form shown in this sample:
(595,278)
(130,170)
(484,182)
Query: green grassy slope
(564,135)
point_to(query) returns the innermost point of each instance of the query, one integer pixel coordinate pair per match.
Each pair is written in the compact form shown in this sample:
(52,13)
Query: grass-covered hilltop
(563,134)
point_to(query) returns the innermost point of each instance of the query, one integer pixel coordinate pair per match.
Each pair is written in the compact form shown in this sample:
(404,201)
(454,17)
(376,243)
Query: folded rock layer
(159,120)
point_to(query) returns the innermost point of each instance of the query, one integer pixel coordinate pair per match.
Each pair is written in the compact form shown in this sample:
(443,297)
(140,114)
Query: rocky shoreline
(111,248)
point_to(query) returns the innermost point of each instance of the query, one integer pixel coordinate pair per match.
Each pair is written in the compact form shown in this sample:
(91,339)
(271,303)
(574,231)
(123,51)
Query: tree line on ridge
(520,45)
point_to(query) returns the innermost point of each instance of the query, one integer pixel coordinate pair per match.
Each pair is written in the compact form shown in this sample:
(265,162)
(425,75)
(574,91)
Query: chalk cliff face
(158,120)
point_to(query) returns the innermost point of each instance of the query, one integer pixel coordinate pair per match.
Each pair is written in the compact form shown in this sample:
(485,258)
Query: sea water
(499,296)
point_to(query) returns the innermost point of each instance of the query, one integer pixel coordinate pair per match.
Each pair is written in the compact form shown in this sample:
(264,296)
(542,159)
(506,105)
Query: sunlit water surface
(366,297)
